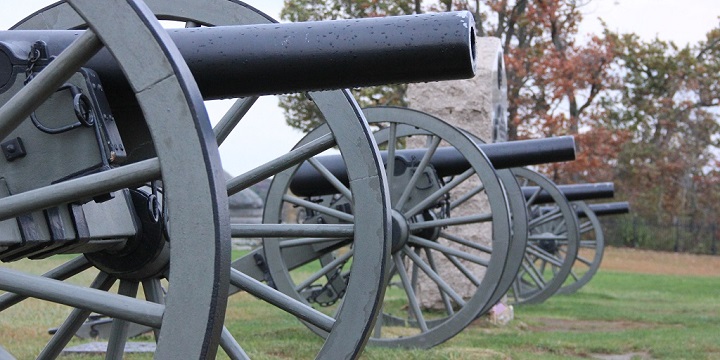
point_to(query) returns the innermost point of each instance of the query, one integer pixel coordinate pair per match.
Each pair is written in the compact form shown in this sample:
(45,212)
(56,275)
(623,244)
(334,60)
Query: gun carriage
(434,221)
(548,251)
(524,259)
(135,153)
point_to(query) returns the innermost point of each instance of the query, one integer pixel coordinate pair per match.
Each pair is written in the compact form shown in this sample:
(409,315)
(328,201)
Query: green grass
(664,317)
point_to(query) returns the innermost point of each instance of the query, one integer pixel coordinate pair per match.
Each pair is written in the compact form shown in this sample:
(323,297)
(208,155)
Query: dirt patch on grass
(658,262)
(628,356)
(553,324)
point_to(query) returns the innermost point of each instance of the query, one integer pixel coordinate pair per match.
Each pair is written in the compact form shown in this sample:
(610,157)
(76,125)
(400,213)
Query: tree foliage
(668,101)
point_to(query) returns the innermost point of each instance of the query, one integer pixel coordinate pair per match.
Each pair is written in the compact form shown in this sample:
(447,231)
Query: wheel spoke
(468,274)
(85,187)
(46,82)
(293,230)
(544,219)
(444,286)
(317,207)
(467,243)
(555,237)
(459,220)
(307,241)
(586,227)
(231,347)
(584,260)
(412,299)
(272,167)
(232,117)
(531,200)
(324,271)
(415,271)
(445,299)
(468,195)
(154,292)
(113,305)
(532,272)
(430,199)
(391,144)
(74,321)
(418,172)
(561,226)
(336,183)
(588,244)
(574,276)
(119,328)
(62,272)
(544,255)
(280,300)
(415,240)
(516,291)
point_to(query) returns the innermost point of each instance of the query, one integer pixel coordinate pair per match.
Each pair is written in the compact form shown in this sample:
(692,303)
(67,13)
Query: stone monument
(477,105)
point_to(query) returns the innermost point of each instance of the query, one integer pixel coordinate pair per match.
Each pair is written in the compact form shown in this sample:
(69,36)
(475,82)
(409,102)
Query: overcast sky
(264,135)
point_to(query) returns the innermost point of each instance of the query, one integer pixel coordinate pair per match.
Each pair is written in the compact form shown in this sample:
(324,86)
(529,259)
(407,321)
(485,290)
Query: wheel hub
(549,245)
(400,232)
(145,255)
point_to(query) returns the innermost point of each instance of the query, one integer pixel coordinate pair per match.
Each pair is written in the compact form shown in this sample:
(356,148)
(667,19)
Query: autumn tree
(668,101)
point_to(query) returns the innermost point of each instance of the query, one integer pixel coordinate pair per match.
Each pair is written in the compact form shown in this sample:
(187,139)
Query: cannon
(268,59)
(137,155)
(592,242)
(398,126)
(433,221)
(590,246)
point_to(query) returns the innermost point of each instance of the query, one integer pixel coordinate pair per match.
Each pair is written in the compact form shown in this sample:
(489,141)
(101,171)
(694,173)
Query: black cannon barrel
(236,61)
(510,154)
(611,208)
(573,192)
(447,161)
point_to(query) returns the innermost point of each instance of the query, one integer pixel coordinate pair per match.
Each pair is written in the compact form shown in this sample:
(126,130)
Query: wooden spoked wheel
(189,241)
(348,133)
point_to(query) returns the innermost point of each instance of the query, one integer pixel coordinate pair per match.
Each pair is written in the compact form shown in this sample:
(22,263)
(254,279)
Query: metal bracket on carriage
(37,155)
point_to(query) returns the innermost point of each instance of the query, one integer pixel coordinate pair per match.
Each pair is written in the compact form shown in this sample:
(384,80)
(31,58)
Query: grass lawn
(648,316)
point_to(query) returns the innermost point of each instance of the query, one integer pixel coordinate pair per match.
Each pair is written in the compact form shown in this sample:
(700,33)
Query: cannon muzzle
(447,161)
(611,208)
(573,192)
(237,61)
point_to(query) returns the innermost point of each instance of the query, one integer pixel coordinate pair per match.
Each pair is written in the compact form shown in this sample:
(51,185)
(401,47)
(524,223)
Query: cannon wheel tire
(518,240)
(415,256)
(553,238)
(590,250)
(190,315)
